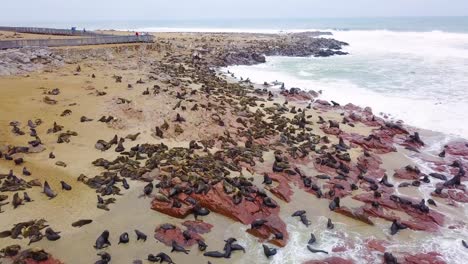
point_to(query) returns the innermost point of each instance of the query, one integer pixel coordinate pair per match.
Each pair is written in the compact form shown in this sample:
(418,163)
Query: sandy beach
(212,137)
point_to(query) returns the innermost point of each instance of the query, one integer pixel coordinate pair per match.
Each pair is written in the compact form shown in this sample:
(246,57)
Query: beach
(206,134)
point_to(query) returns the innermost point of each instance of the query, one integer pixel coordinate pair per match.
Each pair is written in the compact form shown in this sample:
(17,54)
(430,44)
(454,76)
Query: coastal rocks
(408,173)
(372,142)
(422,218)
(199,227)
(457,148)
(20,61)
(168,233)
(358,214)
(426,258)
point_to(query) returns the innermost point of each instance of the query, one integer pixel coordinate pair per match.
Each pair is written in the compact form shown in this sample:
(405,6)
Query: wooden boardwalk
(89,38)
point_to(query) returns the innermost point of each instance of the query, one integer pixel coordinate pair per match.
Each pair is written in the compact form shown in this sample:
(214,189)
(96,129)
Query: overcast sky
(73,10)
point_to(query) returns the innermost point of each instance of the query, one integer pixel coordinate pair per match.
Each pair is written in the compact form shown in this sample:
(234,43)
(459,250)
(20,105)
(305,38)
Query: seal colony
(87,148)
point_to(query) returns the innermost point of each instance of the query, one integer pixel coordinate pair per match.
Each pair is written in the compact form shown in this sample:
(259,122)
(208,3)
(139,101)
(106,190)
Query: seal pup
(269,251)
(48,191)
(26,172)
(65,186)
(103,240)
(298,213)
(82,222)
(330,225)
(178,248)
(161,257)
(124,238)
(312,239)
(140,235)
(17,201)
(316,250)
(26,197)
(105,258)
(51,235)
(201,245)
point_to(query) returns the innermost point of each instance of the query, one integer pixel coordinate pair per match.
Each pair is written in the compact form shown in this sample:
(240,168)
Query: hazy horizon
(177,10)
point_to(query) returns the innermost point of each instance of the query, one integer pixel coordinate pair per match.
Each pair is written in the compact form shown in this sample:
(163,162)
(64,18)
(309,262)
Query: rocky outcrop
(20,61)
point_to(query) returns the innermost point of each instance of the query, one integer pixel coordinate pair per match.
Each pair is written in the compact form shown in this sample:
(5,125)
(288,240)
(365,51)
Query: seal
(26,197)
(304,220)
(103,240)
(256,224)
(214,254)
(178,248)
(26,172)
(267,180)
(330,225)
(124,238)
(269,251)
(65,186)
(140,235)
(48,191)
(298,213)
(334,204)
(161,257)
(17,201)
(201,245)
(51,235)
(148,189)
(105,258)
(396,226)
(82,222)
(312,239)
(125,184)
(389,258)
(316,250)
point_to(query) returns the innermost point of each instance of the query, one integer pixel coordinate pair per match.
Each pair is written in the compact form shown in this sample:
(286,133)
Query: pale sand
(22,100)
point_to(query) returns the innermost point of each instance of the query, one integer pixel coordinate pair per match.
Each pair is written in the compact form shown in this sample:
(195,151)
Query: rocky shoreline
(203,144)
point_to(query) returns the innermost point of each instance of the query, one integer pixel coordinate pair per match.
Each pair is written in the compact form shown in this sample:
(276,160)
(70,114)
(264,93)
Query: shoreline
(239,108)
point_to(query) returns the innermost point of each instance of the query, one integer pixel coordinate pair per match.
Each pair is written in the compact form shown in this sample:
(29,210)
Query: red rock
(408,173)
(371,163)
(457,148)
(282,190)
(377,144)
(419,221)
(424,258)
(458,195)
(376,245)
(339,249)
(167,208)
(199,227)
(167,236)
(331,260)
(358,214)
(245,212)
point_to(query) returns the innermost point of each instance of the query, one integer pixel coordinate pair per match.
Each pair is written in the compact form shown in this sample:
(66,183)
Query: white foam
(419,77)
